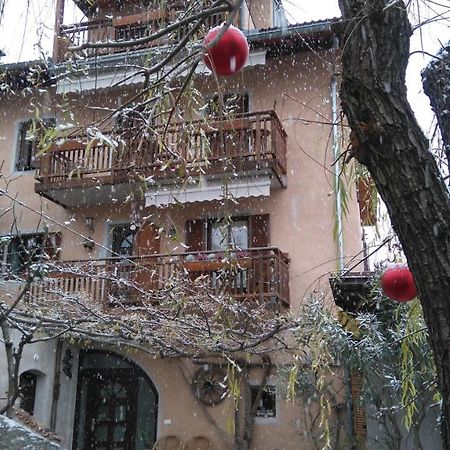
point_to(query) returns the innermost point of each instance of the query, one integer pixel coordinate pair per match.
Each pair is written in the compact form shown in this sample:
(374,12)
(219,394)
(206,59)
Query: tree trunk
(13,384)
(392,146)
(436,84)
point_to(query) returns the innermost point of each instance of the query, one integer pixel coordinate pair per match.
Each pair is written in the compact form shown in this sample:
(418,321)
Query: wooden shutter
(41,128)
(259,230)
(144,274)
(146,241)
(24,147)
(27,149)
(195,235)
(367,200)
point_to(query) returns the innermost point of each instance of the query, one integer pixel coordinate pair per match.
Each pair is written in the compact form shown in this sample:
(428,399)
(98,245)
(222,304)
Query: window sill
(24,172)
(266,421)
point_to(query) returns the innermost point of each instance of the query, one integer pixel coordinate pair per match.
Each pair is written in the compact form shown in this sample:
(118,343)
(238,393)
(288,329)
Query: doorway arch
(117,404)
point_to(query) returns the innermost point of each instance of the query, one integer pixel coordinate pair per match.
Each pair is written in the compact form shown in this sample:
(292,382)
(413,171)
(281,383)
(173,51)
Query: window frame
(5,250)
(254,386)
(110,240)
(196,232)
(234,219)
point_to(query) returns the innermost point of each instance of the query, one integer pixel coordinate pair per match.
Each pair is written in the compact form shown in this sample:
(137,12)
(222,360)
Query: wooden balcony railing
(259,274)
(249,142)
(121,29)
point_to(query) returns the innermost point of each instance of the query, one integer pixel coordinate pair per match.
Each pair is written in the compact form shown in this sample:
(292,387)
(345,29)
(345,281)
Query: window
(233,104)
(27,383)
(20,251)
(267,403)
(28,145)
(200,231)
(228,235)
(122,239)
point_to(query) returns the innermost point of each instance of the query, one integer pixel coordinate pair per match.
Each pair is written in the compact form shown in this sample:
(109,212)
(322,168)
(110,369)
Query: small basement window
(267,407)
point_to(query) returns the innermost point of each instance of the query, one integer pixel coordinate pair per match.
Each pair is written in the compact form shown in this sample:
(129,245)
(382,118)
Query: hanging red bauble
(229,54)
(398,284)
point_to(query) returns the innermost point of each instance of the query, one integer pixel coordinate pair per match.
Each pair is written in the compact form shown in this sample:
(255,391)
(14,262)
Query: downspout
(340,234)
(337,166)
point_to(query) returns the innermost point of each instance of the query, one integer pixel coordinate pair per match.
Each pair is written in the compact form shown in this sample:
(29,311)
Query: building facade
(238,188)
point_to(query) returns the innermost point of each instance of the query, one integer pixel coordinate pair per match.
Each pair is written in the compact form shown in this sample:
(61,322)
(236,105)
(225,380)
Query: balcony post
(45,166)
(59,19)
(274,135)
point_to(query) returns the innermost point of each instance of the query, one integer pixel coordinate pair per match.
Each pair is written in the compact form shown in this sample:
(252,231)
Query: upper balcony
(83,173)
(256,274)
(121,29)
(121,21)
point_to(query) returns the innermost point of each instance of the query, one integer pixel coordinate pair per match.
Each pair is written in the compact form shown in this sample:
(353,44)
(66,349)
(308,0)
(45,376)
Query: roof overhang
(21,75)
(297,37)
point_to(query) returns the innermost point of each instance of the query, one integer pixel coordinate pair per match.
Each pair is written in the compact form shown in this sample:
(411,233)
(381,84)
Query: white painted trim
(207,190)
(111,77)
(107,239)
(269,420)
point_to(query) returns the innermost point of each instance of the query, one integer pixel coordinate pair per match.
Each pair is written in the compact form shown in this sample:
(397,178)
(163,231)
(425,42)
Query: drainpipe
(340,234)
(337,167)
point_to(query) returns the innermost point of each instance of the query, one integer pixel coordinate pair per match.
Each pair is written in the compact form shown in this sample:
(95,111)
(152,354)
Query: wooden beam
(59,19)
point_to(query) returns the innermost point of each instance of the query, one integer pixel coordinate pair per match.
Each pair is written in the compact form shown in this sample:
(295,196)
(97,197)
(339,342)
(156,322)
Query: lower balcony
(83,172)
(256,274)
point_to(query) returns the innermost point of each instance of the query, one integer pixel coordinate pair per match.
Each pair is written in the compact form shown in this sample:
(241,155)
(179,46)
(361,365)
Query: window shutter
(42,127)
(24,147)
(260,230)
(146,241)
(367,200)
(27,149)
(195,235)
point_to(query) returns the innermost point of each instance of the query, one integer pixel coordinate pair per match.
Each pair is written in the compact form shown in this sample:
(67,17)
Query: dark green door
(111,409)
(116,404)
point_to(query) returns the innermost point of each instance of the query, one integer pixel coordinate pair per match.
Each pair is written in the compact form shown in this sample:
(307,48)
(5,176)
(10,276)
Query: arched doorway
(117,404)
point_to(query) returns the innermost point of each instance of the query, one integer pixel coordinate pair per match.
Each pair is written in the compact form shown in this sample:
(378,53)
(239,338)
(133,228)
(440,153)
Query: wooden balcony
(82,173)
(121,29)
(257,274)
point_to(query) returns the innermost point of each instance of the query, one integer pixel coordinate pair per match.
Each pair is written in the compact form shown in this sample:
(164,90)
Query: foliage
(389,349)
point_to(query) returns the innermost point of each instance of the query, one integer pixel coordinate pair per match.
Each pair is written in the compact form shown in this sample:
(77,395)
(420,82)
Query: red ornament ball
(398,284)
(229,54)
